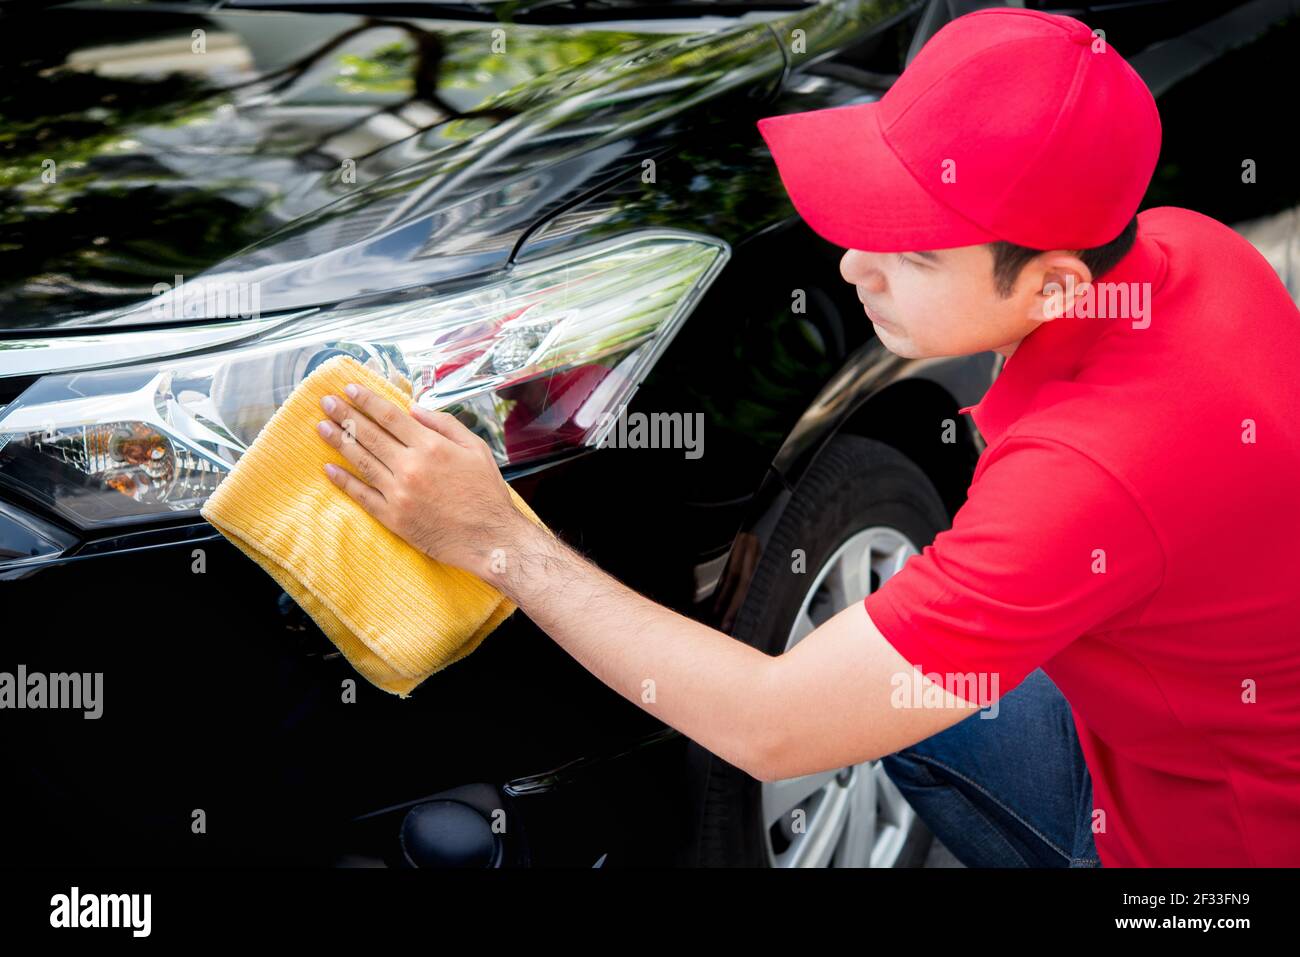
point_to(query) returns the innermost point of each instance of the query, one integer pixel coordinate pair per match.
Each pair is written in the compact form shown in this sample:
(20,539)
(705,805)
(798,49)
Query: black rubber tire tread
(853,484)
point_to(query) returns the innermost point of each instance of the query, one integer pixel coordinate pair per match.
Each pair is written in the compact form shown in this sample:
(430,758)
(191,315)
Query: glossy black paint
(328,157)
(220,694)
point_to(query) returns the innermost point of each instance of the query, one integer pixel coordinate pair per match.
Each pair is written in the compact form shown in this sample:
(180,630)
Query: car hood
(320,157)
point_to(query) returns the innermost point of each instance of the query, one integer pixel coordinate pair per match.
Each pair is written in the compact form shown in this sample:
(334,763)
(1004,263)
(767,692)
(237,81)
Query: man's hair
(1009,259)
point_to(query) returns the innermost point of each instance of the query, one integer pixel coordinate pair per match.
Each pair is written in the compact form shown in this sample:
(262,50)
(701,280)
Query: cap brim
(850,187)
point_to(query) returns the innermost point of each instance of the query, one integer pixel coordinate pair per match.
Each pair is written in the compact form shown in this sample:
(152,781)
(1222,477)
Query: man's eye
(904,260)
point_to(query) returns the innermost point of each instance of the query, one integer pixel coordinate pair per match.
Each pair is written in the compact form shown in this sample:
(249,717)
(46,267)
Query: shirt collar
(1054,349)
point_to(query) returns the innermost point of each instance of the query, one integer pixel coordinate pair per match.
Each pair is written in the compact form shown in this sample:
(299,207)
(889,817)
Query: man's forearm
(701,682)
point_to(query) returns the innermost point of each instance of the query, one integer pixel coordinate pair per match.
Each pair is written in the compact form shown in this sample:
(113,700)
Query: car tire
(855,488)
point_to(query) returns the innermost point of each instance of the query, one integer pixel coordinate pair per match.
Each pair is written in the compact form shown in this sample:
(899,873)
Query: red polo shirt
(1133,527)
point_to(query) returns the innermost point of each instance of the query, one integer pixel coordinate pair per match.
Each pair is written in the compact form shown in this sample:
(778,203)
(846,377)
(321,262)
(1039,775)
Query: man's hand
(424,475)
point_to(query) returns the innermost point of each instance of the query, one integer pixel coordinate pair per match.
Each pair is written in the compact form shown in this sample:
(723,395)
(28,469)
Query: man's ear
(1060,278)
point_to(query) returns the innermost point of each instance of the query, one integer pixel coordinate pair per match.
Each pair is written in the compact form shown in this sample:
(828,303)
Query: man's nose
(861,268)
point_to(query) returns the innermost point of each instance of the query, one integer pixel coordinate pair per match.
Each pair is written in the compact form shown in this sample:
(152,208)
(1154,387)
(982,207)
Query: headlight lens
(532,362)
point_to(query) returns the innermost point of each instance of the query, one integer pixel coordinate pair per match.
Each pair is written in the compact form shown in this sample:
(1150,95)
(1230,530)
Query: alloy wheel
(852,816)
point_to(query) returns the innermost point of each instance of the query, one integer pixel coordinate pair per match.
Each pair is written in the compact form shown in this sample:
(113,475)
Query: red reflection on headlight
(542,418)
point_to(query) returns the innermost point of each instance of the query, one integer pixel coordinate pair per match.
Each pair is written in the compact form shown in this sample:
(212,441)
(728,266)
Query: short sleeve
(1048,546)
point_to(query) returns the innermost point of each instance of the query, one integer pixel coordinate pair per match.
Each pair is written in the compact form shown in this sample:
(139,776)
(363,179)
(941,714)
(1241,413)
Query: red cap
(1008,124)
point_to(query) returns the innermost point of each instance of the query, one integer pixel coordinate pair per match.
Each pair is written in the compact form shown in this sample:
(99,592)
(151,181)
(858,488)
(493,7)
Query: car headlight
(532,362)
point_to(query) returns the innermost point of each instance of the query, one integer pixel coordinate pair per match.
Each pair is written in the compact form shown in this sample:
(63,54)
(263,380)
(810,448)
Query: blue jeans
(1009,791)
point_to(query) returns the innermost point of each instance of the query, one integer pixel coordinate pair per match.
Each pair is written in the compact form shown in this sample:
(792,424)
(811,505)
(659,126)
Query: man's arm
(824,704)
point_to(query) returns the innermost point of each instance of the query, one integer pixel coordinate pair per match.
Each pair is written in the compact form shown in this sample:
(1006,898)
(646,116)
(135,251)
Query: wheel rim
(852,816)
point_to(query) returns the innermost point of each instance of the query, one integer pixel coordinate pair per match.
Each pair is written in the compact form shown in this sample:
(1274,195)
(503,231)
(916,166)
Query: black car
(551,217)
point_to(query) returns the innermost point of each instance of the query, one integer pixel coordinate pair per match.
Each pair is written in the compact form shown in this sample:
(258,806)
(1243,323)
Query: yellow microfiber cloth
(397,615)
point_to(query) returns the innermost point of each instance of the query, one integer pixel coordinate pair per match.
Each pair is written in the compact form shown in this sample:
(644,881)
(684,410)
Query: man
(1131,526)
